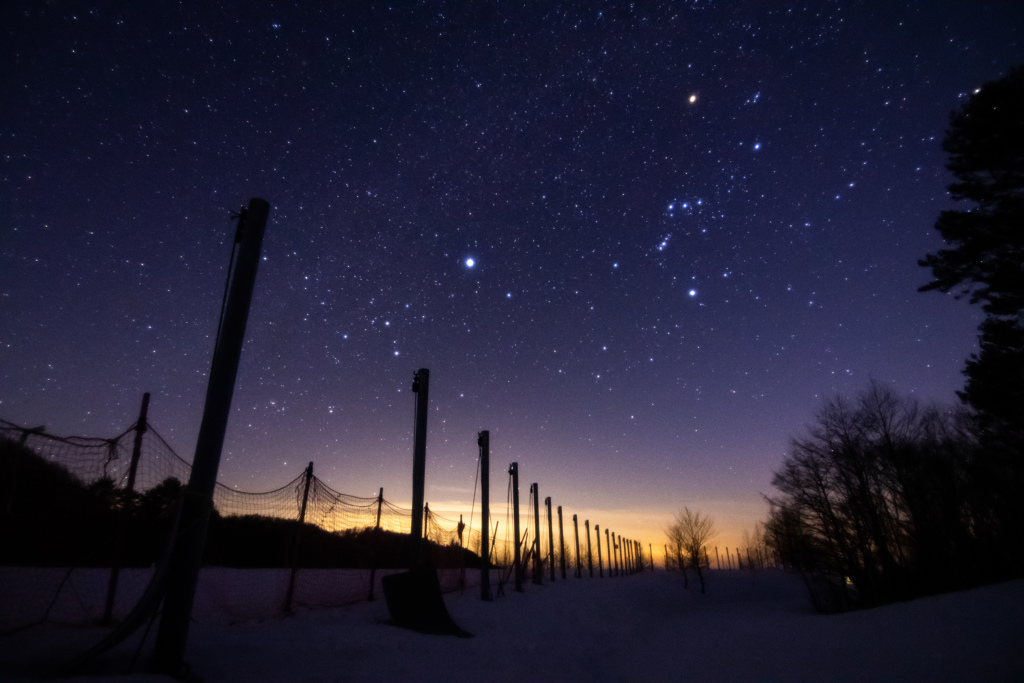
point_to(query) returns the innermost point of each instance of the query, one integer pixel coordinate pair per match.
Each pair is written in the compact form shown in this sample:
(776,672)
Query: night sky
(637,242)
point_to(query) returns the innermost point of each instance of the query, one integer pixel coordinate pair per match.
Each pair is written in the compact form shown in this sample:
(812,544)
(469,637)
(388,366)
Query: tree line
(882,498)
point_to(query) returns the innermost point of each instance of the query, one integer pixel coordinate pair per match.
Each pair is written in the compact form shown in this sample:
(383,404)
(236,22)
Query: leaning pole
(197,502)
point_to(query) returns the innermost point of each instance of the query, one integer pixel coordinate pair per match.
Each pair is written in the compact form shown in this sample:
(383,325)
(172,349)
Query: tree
(877,502)
(985,143)
(688,534)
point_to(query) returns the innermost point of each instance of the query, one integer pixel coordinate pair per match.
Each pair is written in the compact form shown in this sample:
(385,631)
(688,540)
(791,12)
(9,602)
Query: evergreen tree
(985,258)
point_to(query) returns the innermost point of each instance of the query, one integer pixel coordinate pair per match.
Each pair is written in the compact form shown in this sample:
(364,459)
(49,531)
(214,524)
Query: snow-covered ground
(645,627)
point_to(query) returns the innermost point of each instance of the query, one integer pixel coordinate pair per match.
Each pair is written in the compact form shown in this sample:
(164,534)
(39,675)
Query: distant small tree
(688,535)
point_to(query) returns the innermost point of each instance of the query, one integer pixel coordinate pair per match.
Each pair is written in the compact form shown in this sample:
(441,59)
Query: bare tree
(688,534)
(874,500)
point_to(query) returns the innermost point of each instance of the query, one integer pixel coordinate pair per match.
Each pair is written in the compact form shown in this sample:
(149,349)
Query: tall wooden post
(298,535)
(380,504)
(426,521)
(590,555)
(561,541)
(576,533)
(483,440)
(551,539)
(513,471)
(600,570)
(650,550)
(613,556)
(376,544)
(420,387)
(197,503)
(127,509)
(608,547)
(538,571)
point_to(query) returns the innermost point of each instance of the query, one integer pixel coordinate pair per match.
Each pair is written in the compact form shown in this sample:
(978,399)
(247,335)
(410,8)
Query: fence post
(608,548)
(613,555)
(483,440)
(376,542)
(561,540)
(127,507)
(380,504)
(538,571)
(650,549)
(295,548)
(551,539)
(718,560)
(197,503)
(513,471)
(590,555)
(665,548)
(576,533)
(600,569)
(420,387)
(426,522)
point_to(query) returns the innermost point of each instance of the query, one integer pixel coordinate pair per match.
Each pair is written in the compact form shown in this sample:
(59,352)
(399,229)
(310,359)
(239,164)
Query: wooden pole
(298,535)
(420,387)
(551,539)
(608,547)
(613,556)
(483,440)
(513,470)
(380,504)
(718,560)
(197,504)
(127,509)
(600,570)
(538,571)
(576,533)
(561,541)
(376,544)
(590,555)
(426,521)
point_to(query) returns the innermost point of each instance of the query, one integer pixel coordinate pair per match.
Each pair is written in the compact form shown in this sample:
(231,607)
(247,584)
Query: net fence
(74,508)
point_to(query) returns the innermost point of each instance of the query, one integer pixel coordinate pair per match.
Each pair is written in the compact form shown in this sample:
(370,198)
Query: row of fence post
(623,555)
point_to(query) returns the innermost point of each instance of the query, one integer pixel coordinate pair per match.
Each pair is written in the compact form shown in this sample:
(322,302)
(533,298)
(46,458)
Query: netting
(71,508)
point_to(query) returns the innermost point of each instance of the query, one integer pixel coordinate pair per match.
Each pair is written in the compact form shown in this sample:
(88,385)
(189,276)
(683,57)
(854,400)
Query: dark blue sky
(689,222)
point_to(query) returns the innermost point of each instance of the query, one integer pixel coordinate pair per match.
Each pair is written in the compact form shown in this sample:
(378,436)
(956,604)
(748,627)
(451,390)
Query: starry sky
(638,242)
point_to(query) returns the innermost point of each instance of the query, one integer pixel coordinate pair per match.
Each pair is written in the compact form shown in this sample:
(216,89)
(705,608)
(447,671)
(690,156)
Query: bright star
(470,263)
(693,292)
